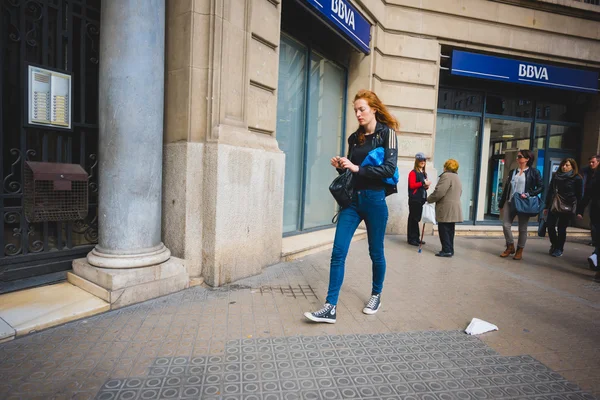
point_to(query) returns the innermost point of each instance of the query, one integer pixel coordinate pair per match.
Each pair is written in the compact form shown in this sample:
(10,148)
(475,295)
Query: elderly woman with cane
(448,210)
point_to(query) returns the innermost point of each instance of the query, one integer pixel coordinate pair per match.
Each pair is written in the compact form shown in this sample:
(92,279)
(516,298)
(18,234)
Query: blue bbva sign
(510,70)
(345,19)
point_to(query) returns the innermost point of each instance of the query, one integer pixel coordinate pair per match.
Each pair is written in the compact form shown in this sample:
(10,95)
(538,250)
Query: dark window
(502,105)
(559,112)
(564,137)
(454,99)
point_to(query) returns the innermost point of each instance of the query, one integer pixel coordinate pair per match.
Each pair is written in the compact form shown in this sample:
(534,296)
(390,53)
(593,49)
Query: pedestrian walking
(592,198)
(376,130)
(448,209)
(588,175)
(417,196)
(525,180)
(561,203)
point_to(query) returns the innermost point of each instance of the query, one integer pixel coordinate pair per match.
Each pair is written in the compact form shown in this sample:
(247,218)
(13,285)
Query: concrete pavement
(249,340)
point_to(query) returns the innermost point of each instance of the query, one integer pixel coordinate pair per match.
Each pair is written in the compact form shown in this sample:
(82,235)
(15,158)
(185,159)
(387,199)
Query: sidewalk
(249,340)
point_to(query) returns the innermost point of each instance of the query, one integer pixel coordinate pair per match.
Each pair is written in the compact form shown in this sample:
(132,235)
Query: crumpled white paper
(479,326)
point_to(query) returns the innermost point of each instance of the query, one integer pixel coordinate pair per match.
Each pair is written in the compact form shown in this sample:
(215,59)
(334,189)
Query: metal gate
(61,35)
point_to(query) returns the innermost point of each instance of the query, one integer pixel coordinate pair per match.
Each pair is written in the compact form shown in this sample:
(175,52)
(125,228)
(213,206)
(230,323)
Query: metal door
(61,35)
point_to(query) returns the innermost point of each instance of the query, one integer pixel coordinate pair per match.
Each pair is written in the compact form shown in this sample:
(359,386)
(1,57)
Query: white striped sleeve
(392,139)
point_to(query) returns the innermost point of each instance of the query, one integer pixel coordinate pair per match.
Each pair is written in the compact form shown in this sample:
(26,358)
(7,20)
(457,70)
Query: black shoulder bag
(341,188)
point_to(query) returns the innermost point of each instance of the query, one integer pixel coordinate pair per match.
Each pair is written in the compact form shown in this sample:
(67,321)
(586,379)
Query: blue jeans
(370,206)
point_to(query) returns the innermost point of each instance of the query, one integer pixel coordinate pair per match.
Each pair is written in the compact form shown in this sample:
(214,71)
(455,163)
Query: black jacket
(533,184)
(588,176)
(592,198)
(568,187)
(384,137)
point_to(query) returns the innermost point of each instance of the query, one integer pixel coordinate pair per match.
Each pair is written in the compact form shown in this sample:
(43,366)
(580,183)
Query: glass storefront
(310,112)
(507,124)
(456,138)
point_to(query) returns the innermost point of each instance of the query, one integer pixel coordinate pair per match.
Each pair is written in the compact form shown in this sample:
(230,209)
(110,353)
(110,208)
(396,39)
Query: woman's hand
(545,212)
(524,195)
(347,164)
(335,162)
(427,183)
(579,216)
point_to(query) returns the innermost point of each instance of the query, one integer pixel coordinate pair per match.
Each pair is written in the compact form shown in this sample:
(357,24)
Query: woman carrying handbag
(524,182)
(370,184)
(561,203)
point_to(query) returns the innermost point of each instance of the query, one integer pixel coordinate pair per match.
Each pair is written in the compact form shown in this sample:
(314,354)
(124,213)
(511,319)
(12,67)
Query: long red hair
(381,112)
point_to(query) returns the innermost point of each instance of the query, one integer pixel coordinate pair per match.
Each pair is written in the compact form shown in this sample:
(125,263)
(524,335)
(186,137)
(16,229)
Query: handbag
(542,227)
(342,189)
(529,206)
(561,205)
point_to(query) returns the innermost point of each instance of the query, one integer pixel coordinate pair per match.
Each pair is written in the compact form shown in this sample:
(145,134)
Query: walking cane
(422,234)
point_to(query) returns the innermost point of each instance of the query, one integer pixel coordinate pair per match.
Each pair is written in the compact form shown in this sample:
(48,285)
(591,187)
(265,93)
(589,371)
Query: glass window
(291,94)
(508,135)
(564,137)
(326,83)
(309,134)
(459,100)
(556,112)
(539,141)
(502,140)
(502,105)
(539,145)
(456,137)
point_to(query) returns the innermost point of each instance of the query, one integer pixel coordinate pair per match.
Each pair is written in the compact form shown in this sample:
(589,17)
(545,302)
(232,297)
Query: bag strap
(335,218)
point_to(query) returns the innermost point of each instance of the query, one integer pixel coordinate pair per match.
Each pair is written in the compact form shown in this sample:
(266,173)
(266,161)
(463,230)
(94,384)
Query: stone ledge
(123,287)
(7,332)
(39,308)
(114,279)
(496,231)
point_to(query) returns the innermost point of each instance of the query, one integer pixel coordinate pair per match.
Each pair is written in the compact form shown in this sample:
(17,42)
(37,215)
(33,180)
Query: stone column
(131,101)
(130,263)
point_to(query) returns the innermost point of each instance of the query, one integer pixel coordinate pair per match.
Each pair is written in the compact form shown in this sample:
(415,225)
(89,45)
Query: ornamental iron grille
(63,36)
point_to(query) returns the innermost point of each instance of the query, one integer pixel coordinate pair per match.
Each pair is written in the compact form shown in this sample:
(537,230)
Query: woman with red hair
(376,128)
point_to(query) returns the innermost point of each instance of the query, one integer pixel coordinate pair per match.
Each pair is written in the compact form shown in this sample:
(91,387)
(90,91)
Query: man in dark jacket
(592,198)
(588,175)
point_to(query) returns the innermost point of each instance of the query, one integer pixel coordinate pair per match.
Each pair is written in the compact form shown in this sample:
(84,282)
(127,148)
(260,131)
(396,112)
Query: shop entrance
(501,141)
(507,123)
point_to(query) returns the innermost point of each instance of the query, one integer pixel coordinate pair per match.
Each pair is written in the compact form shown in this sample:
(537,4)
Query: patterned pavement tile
(476,372)
(248,340)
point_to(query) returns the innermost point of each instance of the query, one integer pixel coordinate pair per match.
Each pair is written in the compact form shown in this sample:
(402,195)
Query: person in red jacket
(417,195)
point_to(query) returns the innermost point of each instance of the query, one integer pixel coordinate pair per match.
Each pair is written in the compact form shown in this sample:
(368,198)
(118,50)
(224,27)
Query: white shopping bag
(428,216)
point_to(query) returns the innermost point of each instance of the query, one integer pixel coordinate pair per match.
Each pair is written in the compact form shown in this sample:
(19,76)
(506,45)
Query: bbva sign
(533,71)
(342,10)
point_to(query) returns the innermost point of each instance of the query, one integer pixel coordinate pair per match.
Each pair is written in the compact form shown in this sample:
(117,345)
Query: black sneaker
(326,314)
(373,304)
(551,250)
(557,253)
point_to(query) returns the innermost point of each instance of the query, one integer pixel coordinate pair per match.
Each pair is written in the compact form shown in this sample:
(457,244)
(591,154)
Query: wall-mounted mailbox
(55,192)
(49,98)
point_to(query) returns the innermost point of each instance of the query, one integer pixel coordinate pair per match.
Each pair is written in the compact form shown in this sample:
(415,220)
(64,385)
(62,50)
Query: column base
(123,287)
(155,256)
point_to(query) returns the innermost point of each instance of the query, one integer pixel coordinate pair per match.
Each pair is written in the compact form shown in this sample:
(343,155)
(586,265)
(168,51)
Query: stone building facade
(225,170)
(256,98)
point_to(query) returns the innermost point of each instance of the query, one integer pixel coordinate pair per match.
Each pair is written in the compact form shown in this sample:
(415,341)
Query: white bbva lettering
(532,71)
(343,11)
